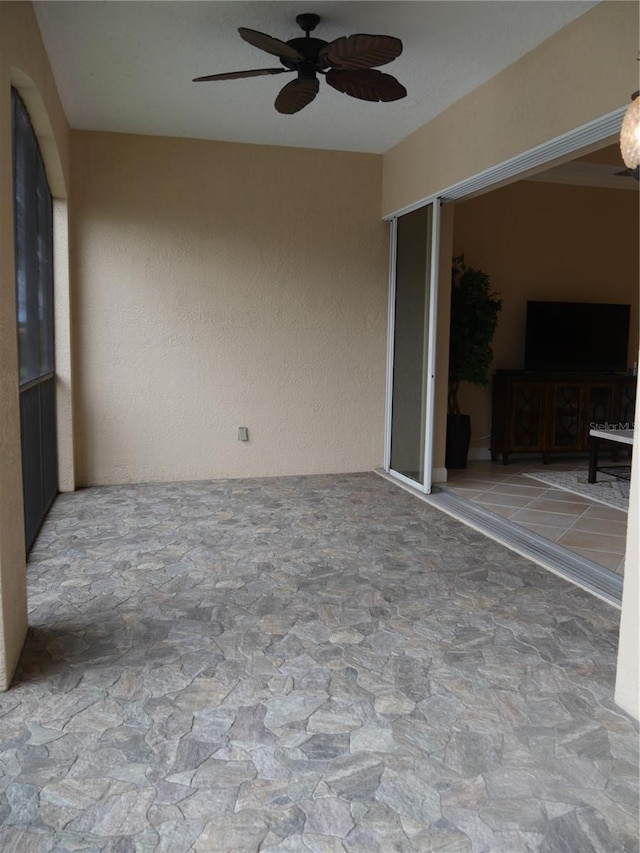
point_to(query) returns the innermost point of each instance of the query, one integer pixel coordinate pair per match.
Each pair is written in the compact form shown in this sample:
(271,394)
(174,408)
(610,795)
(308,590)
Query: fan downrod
(307,21)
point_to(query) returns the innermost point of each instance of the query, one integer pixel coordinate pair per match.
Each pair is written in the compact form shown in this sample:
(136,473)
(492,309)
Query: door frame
(431,284)
(554,151)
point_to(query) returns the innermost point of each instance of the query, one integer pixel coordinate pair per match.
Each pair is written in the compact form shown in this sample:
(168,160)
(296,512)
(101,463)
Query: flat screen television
(573,337)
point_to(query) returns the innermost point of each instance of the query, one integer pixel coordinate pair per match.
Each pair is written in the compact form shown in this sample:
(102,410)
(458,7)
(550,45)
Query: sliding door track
(561,561)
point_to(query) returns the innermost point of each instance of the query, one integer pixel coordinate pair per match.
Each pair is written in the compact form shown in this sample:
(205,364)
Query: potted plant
(474,316)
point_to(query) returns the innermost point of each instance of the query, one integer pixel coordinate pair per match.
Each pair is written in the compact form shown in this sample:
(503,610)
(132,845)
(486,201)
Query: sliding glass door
(411,351)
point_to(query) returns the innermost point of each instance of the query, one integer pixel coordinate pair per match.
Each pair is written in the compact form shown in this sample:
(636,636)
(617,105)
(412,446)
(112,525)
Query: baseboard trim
(479,454)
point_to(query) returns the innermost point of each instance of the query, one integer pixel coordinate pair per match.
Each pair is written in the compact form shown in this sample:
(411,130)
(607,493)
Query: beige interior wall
(585,71)
(222,285)
(23,62)
(545,241)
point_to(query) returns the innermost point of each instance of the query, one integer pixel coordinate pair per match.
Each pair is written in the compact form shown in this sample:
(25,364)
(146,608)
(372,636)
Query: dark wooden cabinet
(552,413)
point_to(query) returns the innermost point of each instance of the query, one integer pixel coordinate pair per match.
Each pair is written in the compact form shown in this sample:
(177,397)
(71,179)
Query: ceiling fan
(347,64)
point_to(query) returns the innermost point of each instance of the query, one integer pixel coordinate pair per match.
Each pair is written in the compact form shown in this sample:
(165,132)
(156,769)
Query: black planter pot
(458,438)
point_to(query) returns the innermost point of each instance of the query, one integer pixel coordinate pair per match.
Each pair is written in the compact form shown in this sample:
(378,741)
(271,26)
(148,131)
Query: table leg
(593,459)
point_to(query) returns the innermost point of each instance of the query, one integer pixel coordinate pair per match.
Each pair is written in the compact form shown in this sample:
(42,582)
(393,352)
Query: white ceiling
(127,66)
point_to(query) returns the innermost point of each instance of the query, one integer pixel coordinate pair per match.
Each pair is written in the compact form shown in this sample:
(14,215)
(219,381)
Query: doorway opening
(584,139)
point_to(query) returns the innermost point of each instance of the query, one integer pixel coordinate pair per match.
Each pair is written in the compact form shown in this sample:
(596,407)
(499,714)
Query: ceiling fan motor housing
(310,48)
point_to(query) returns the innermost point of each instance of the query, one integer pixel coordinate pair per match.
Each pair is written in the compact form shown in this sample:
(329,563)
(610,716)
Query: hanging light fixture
(630,134)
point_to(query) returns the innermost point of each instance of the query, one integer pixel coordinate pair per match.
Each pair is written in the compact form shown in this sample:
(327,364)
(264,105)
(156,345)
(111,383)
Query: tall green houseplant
(474,317)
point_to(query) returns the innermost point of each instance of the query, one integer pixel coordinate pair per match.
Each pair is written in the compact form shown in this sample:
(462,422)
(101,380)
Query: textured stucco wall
(583,72)
(222,285)
(23,62)
(546,242)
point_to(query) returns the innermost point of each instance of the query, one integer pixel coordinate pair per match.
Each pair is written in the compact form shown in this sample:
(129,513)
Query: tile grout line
(563,530)
(527,506)
(596,533)
(573,567)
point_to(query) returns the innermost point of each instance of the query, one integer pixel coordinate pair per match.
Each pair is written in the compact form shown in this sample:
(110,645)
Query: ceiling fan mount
(308,21)
(348,64)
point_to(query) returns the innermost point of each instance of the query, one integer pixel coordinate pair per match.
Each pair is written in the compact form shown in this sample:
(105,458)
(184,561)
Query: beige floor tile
(546,504)
(602,511)
(514,501)
(563,497)
(504,511)
(469,494)
(573,521)
(452,476)
(503,472)
(593,541)
(613,562)
(547,531)
(472,483)
(521,480)
(601,525)
(496,475)
(517,489)
(552,519)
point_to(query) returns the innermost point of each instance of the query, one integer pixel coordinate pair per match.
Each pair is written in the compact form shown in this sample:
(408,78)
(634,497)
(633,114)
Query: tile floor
(306,664)
(591,529)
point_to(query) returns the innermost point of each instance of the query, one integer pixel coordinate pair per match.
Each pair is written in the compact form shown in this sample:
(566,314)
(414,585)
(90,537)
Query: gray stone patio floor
(317,663)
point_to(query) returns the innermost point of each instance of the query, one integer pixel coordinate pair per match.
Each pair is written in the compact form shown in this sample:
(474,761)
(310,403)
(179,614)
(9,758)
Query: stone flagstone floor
(306,664)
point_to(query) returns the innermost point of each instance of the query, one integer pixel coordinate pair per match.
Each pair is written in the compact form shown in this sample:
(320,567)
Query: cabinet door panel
(527,422)
(549,414)
(600,409)
(627,411)
(567,401)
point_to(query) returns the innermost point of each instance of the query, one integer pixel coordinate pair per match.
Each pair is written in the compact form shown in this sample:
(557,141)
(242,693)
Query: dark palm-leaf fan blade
(366,84)
(361,51)
(270,44)
(296,95)
(237,75)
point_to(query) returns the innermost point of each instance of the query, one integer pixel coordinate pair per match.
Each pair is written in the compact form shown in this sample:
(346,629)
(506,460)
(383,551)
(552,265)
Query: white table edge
(624,436)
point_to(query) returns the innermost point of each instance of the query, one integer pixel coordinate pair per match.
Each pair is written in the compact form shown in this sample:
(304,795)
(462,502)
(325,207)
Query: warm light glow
(630,134)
